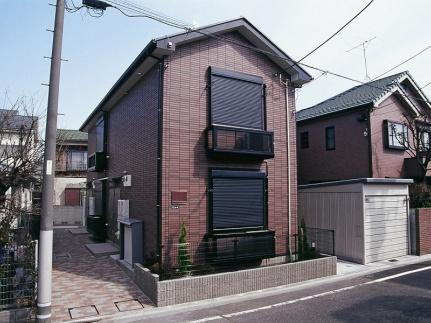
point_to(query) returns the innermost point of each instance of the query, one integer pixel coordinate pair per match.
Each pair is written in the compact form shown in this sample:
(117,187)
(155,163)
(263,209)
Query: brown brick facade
(185,118)
(423,231)
(349,159)
(132,132)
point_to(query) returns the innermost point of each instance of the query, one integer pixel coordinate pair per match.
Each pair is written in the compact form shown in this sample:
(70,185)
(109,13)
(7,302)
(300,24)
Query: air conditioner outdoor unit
(91,206)
(123,208)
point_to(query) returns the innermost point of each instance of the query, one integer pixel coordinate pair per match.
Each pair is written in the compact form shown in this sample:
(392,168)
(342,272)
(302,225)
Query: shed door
(386,227)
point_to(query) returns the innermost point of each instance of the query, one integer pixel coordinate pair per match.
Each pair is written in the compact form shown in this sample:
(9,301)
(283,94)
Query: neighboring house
(18,140)
(355,133)
(71,167)
(200,126)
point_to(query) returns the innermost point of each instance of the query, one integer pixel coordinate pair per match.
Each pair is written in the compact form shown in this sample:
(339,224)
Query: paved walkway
(84,285)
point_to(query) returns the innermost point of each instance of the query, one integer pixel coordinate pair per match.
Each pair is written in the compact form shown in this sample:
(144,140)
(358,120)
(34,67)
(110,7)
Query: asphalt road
(397,295)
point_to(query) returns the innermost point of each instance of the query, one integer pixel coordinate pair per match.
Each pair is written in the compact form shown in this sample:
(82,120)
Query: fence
(312,242)
(229,253)
(17,275)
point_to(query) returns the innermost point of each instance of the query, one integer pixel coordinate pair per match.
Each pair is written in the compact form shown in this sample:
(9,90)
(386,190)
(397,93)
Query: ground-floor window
(238,199)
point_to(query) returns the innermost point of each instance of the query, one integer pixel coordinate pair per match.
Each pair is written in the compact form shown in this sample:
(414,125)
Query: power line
(143,12)
(403,62)
(425,85)
(338,31)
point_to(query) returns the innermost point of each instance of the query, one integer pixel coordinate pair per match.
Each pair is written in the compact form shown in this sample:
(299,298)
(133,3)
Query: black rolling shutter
(236,99)
(238,199)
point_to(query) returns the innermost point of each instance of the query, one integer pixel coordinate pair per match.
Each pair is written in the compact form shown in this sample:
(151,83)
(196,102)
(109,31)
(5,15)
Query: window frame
(387,135)
(264,226)
(220,72)
(304,140)
(327,129)
(101,124)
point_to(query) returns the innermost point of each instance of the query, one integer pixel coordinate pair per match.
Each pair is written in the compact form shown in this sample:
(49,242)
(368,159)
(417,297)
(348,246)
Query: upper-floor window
(330,138)
(425,137)
(100,135)
(237,99)
(76,160)
(304,141)
(395,134)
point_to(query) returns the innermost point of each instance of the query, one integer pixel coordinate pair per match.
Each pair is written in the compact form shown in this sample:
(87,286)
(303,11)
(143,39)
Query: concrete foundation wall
(68,215)
(190,289)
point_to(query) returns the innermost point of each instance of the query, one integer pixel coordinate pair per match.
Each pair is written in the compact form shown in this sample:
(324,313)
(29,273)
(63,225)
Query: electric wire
(143,12)
(337,32)
(403,62)
(425,85)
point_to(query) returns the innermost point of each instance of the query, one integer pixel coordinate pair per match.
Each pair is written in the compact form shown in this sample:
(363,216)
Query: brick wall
(350,159)
(185,118)
(423,231)
(132,132)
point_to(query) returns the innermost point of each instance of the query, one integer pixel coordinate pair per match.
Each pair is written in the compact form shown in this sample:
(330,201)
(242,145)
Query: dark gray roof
(10,119)
(356,96)
(71,135)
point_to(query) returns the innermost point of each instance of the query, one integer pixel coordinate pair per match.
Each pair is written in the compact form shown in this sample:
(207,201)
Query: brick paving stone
(85,280)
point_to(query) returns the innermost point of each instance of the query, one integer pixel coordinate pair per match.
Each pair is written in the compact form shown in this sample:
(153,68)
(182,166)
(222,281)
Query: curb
(142,314)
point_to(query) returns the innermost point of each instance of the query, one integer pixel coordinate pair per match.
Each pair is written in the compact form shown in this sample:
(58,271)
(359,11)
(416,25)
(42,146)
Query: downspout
(287,119)
(370,148)
(159,161)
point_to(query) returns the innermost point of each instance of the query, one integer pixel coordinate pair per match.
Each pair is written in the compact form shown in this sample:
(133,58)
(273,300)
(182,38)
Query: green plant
(183,252)
(420,195)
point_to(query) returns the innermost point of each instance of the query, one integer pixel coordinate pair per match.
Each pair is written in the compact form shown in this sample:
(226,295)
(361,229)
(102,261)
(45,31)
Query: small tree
(415,137)
(183,252)
(21,154)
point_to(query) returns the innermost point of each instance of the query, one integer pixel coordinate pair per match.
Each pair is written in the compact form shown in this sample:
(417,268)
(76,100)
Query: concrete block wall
(423,231)
(68,215)
(190,289)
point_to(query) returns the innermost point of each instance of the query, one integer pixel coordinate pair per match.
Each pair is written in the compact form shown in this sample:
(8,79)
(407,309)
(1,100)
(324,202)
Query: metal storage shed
(369,216)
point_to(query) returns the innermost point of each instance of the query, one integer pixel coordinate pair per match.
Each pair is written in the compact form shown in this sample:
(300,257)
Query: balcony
(226,141)
(97,162)
(71,166)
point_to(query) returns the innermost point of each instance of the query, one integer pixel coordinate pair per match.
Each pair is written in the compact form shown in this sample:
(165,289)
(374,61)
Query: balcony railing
(74,166)
(240,142)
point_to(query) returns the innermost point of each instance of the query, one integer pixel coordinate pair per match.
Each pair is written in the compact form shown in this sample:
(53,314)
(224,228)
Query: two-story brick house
(71,167)
(203,124)
(355,134)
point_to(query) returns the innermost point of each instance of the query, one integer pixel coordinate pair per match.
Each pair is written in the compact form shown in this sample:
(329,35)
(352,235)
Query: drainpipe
(286,85)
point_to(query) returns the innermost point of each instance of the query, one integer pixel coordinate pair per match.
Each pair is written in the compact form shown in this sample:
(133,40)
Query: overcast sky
(100,49)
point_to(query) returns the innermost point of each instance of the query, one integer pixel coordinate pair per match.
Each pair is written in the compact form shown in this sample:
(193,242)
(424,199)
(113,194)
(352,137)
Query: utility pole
(46,232)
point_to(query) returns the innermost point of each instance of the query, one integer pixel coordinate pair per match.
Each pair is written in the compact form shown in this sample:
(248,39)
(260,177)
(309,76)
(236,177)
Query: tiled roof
(10,119)
(354,97)
(71,135)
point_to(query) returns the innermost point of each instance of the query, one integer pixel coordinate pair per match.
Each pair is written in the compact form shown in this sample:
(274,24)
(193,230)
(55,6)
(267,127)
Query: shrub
(183,252)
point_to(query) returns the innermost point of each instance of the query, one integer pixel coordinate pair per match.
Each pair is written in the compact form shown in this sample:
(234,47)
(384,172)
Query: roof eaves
(146,52)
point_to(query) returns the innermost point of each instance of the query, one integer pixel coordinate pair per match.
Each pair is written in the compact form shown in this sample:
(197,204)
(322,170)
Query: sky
(99,50)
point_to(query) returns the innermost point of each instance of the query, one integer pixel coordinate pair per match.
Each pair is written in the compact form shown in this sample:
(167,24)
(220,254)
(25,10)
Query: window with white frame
(424,143)
(396,135)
